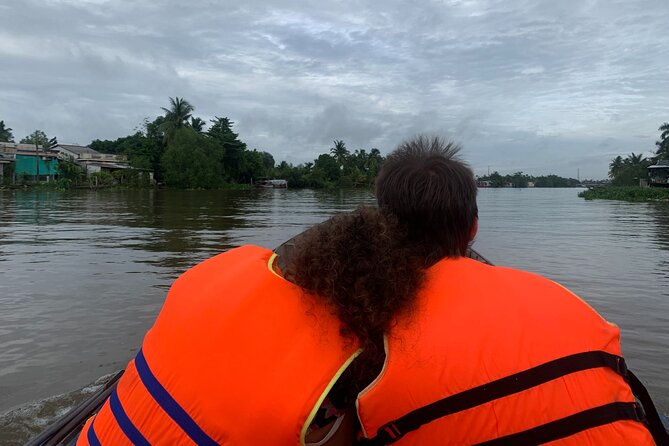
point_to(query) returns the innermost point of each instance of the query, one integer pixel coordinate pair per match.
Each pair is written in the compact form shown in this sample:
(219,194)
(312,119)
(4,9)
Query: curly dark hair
(361,265)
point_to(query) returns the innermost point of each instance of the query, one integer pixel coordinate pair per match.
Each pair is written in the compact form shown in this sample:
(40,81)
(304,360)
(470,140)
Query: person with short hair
(456,351)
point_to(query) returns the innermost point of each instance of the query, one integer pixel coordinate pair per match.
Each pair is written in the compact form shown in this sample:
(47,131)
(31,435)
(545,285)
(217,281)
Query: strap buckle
(621,367)
(639,412)
(389,433)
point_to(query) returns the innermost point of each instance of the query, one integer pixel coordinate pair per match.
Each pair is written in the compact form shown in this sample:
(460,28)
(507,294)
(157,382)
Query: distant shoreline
(634,194)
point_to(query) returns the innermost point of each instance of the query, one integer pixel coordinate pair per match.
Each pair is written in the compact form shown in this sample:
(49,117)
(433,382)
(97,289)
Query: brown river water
(83,274)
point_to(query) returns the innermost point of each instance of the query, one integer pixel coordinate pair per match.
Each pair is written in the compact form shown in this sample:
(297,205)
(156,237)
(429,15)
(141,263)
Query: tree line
(184,151)
(629,170)
(519,179)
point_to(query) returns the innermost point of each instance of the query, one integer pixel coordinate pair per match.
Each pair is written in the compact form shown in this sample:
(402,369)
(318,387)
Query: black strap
(393,431)
(570,425)
(655,425)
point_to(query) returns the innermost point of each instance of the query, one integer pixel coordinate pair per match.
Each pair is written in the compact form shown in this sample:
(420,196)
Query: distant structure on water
(267,183)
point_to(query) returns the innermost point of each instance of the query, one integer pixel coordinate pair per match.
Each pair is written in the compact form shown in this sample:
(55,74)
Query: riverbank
(60,185)
(626,193)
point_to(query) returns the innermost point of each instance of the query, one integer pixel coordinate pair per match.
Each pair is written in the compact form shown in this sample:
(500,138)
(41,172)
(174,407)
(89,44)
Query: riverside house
(658,175)
(30,161)
(92,160)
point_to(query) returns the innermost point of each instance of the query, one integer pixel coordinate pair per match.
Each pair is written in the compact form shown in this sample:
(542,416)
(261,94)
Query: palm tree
(176,116)
(340,152)
(663,144)
(616,166)
(5,133)
(634,160)
(197,124)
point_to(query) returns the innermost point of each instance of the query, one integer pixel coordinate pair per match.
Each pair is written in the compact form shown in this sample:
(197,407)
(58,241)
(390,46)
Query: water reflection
(85,272)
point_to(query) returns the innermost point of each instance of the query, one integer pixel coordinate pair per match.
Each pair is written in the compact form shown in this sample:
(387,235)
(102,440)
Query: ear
(475,229)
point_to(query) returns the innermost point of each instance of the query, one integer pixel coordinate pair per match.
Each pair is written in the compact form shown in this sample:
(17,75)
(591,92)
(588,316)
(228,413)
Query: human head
(432,193)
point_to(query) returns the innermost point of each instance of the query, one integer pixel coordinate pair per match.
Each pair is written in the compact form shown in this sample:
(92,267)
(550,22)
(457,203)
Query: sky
(523,85)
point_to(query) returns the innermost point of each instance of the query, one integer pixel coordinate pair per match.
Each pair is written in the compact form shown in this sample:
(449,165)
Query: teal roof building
(32,165)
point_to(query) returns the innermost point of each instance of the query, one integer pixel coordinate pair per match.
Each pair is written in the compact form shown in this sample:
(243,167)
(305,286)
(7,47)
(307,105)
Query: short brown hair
(433,194)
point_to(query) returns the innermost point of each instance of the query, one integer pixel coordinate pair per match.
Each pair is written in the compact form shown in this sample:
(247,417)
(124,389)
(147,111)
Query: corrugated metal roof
(76,149)
(661,164)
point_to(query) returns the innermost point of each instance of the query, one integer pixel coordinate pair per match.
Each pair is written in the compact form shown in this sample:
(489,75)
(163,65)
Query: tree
(38,137)
(634,167)
(616,166)
(176,116)
(255,164)
(70,171)
(190,163)
(232,149)
(197,124)
(497,180)
(519,180)
(340,152)
(5,133)
(662,152)
(326,169)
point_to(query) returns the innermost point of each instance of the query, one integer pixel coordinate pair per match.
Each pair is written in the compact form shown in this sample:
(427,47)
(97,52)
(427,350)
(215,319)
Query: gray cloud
(538,86)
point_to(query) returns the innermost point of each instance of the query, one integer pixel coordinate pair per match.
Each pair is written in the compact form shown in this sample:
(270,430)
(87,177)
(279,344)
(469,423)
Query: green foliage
(71,171)
(131,178)
(496,180)
(254,164)
(628,171)
(356,170)
(327,168)
(626,193)
(8,176)
(340,153)
(554,181)
(231,148)
(197,124)
(662,144)
(5,133)
(101,179)
(521,180)
(176,117)
(39,137)
(192,161)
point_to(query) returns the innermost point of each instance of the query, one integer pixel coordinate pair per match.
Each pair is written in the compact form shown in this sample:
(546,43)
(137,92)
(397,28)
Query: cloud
(523,84)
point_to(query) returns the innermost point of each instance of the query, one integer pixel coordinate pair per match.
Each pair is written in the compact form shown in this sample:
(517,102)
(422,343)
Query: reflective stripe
(169,404)
(129,429)
(90,435)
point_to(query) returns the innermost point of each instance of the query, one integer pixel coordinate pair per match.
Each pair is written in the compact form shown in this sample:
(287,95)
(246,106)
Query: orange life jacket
(475,325)
(238,356)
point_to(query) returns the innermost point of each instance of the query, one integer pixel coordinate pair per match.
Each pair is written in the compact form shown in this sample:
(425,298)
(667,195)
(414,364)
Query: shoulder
(500,285)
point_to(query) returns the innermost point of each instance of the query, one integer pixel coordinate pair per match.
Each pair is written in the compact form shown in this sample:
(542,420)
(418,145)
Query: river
(83,274)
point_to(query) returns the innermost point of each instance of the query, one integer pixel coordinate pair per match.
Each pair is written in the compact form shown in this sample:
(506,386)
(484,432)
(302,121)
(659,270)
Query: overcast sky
(532,85)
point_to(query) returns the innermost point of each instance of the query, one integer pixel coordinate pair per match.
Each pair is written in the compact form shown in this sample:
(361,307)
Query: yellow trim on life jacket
(584,302)
(317,406)
(371,385)
(270,265)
